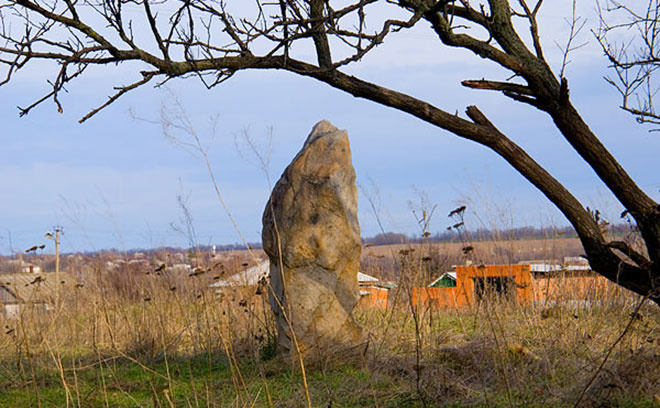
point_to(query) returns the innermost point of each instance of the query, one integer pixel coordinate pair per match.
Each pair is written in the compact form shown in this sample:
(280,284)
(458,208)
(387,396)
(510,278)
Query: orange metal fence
(515,282)
(511,282)
(376,298)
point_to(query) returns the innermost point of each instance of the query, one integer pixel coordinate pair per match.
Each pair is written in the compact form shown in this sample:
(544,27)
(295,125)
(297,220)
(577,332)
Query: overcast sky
(113,182)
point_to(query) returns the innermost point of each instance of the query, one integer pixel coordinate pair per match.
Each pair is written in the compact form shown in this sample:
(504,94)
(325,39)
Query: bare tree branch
(147,76)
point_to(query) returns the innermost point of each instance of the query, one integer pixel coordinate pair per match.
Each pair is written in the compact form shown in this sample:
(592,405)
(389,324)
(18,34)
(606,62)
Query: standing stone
(311,218)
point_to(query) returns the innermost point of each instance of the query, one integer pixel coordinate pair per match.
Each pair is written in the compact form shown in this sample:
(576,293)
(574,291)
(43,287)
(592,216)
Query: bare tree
(212,40)
(629,34)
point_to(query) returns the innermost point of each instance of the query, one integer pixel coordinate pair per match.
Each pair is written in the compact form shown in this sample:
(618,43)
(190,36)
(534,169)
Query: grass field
(188,347)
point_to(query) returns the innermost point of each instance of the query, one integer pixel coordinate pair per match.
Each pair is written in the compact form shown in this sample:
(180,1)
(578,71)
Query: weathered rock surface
(311,219)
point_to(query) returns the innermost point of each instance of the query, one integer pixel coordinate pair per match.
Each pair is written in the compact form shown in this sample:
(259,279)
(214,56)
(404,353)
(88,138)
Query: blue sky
(113,182)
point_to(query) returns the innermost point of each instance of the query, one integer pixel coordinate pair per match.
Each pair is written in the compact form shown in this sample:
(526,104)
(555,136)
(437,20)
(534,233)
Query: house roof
(248,277)
(364,278)
(251,276)
(449,275)
(557,268)
(27,287)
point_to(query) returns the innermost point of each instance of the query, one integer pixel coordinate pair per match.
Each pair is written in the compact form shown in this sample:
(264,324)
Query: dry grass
(382,258)
(170,341)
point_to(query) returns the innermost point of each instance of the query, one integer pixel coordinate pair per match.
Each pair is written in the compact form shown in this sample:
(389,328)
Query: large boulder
(312,237)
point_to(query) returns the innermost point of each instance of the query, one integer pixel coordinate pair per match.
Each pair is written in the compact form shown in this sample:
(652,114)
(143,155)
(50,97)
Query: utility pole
(56,238)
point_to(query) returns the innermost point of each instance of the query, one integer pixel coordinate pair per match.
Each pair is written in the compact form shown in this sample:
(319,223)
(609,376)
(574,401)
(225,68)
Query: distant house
(179,268)
(248,277)
(30,268)
(19,291)
(544,268)
(372,292)
(363,278)
(20,266)
(446,280)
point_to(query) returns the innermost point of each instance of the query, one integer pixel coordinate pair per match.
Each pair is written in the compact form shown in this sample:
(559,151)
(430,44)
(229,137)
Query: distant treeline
(450,235)
(169,249)
(482,234)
